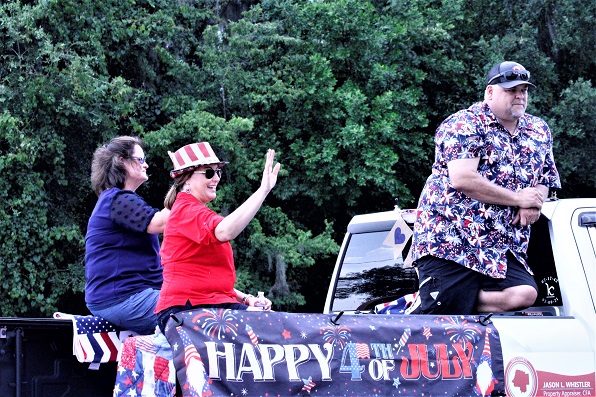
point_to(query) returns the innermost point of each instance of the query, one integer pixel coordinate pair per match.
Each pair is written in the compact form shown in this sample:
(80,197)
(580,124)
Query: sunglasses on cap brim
(510,75)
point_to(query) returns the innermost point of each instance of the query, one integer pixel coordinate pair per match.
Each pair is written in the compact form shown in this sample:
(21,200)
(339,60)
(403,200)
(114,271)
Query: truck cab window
(369,274)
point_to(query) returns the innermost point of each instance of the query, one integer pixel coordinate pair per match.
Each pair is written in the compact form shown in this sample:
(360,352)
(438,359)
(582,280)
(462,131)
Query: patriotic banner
(398,306)
(95,340)
(221,352)
(146,368)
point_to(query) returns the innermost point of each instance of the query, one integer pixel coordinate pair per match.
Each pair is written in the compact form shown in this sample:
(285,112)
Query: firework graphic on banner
(460,330)
(217,322)
(336,335)
(404,339)
(485,379)
(251,335)
(197,382)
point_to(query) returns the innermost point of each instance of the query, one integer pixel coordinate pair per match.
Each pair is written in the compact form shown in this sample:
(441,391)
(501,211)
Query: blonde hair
(179,182)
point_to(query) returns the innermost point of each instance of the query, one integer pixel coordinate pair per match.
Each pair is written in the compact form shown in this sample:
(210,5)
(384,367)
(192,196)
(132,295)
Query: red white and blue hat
(192,156)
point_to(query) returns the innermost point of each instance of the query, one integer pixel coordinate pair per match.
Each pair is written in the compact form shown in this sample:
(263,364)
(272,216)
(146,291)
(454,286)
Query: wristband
(245,300)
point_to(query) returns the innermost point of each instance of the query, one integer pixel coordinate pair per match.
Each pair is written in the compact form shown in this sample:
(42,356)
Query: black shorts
(446,287)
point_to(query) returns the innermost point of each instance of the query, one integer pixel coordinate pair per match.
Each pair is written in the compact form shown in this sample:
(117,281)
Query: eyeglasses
(512,75)
(210,173)
(141,160)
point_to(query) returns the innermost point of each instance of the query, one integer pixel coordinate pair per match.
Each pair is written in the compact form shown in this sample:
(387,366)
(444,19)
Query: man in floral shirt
(492,171)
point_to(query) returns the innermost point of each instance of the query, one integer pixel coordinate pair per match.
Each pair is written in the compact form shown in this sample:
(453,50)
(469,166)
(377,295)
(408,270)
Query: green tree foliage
(348,93)
(48,93)
(574,137)
(35,244)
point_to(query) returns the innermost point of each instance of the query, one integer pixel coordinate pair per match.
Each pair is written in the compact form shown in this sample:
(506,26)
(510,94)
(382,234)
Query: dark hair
(107,168)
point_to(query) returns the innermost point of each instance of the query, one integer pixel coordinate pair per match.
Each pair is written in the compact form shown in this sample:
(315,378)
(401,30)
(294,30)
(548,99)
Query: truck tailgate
(546,356)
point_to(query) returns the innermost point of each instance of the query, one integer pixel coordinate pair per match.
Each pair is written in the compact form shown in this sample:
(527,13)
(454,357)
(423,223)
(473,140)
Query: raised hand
(270,172)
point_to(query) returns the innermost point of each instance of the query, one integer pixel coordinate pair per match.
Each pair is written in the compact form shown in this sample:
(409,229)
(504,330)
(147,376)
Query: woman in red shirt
(197,258)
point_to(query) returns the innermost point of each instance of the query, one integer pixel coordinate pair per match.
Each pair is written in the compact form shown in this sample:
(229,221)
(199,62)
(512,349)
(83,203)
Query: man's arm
(465,178)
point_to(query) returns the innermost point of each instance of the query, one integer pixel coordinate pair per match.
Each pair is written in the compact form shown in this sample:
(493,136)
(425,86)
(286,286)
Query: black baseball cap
(508,74)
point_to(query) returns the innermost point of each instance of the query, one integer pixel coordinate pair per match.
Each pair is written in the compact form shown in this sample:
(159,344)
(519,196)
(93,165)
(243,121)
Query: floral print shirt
(453,226)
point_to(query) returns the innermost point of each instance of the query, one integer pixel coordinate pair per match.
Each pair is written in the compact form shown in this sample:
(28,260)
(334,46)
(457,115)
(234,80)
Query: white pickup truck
(547,350)
(350,349)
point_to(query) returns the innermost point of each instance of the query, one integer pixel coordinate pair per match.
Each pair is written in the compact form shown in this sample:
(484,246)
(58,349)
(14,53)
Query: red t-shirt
(196,265)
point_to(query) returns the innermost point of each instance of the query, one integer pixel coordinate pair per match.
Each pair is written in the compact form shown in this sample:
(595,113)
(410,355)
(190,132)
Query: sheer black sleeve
(129,210)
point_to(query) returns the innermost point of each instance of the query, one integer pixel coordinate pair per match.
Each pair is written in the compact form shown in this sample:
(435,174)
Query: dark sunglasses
(210,173)
(511,75)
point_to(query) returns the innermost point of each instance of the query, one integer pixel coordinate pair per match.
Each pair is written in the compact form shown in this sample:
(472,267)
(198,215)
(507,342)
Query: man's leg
(517,291)
(446,287)
(509,299)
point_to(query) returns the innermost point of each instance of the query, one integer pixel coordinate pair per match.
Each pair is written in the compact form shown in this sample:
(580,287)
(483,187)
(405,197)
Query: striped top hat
(192,156)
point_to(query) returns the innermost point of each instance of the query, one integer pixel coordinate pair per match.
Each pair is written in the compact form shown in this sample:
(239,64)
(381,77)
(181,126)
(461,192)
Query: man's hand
(526,216)
(530,197)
